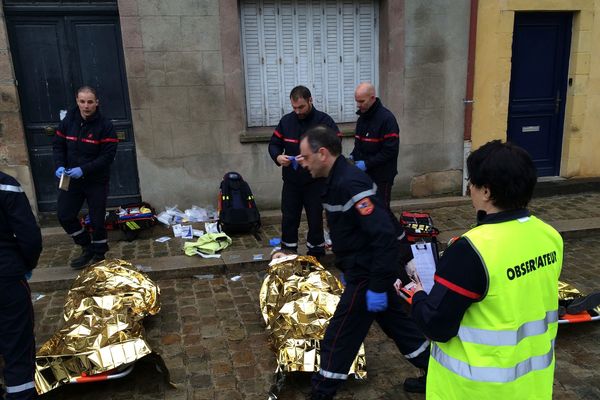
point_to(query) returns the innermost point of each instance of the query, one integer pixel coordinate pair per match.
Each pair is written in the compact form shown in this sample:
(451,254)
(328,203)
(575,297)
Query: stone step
(273,217)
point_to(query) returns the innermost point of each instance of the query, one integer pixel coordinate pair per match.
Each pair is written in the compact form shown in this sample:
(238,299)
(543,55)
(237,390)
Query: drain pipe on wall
(468,100)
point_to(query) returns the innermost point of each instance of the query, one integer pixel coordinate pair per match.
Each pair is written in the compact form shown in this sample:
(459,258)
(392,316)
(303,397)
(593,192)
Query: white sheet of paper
(425,263)
(187,232)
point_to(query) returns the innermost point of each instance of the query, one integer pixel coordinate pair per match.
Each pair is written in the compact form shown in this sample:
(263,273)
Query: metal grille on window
(327,45)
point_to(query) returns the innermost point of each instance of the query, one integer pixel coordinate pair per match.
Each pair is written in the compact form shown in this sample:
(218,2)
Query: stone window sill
(263,134)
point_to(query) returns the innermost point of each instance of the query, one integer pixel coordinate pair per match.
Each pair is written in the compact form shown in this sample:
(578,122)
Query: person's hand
(293,161)
(398,286)
(283,160)
(75,173)
(342,279)
(361,165)
(419,285)
(376,302)
(59,171)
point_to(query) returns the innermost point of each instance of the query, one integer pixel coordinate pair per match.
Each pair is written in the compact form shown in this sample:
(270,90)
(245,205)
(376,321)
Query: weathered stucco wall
(185,76)
(432,118)
(14,159)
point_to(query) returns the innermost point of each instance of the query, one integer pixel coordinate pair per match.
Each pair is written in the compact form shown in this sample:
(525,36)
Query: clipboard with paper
(425,256)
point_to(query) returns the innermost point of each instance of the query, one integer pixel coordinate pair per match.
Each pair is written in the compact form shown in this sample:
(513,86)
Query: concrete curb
(252,260)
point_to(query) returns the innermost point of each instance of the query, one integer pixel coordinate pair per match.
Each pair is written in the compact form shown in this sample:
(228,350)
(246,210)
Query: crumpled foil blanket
(102,329)
(297,299)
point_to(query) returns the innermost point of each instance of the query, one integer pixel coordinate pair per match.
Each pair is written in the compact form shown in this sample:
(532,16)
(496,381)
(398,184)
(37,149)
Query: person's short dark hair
(86,88)
(506,170)
(323,136)
(300,92)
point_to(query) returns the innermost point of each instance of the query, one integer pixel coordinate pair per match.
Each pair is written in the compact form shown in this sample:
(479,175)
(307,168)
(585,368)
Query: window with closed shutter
(327,45)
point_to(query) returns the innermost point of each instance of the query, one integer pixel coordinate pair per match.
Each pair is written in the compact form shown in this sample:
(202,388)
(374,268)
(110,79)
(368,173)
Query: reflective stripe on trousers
(20,388)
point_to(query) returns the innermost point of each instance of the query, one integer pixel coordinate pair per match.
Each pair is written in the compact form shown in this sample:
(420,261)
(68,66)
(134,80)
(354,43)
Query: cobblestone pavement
(211,335)
(58,248)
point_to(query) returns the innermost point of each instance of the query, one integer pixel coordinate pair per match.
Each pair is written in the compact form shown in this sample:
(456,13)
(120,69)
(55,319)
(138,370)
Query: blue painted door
(538,83)
(55,51)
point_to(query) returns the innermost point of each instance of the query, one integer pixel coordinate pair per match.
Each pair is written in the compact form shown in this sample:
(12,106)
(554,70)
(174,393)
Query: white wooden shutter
(253,71)
(327,45)
(318,66)
(287,37)
(349,46)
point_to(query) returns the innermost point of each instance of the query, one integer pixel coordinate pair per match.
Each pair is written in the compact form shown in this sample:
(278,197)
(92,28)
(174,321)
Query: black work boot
(584,303)
(415,385)
(84,259)
(97,258)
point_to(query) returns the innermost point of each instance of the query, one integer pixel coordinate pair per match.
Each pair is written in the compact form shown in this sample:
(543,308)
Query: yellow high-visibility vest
(504,348)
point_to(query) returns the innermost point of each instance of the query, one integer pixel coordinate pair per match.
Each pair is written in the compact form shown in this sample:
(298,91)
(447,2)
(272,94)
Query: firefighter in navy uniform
(299,188)
(20,248)
(365,246)
(84,148)
(376,141)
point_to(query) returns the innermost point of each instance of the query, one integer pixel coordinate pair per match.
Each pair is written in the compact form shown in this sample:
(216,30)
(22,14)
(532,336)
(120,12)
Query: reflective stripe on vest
(491,374)
(507,338)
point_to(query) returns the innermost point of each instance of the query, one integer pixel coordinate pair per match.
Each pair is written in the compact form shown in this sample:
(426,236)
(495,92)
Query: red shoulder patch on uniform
(364,206)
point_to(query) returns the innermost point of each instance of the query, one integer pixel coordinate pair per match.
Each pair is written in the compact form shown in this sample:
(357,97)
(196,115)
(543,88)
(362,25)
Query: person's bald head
(364,96)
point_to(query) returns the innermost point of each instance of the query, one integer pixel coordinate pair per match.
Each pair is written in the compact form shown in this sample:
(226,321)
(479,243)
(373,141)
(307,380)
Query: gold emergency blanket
(297,299)
(102,327)
(567,293)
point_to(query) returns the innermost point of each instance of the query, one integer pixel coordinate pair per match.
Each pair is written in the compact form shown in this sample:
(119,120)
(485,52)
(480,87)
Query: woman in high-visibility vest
(492,313)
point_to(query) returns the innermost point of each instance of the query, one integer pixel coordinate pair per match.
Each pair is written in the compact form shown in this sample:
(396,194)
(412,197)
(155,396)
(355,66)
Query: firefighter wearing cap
(492,313)
(366,250)
(300,190)
(20,248)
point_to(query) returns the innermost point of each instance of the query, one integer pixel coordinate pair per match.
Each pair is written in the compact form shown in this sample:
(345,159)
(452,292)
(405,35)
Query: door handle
(557,102)
(49,130)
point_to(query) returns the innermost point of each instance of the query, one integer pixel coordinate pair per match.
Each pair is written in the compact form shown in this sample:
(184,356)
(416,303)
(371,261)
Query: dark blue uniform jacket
(20,236)
(286,139)
(89,144)
(363,237)
(377,142)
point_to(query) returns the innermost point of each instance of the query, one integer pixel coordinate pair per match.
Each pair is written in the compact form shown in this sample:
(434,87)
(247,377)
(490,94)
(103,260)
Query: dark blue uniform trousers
(348,328)
(293,198)
(68,206)
(17,342)
(384,193)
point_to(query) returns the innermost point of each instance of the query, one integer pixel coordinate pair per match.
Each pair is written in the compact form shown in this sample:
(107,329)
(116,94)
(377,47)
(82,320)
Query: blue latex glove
(294,162)
(342,279)
(28,275)
(75,173)
(376,302)
(361,165)
(59,172)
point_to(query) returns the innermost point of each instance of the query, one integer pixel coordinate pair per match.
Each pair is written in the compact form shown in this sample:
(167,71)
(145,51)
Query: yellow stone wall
(581,135)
